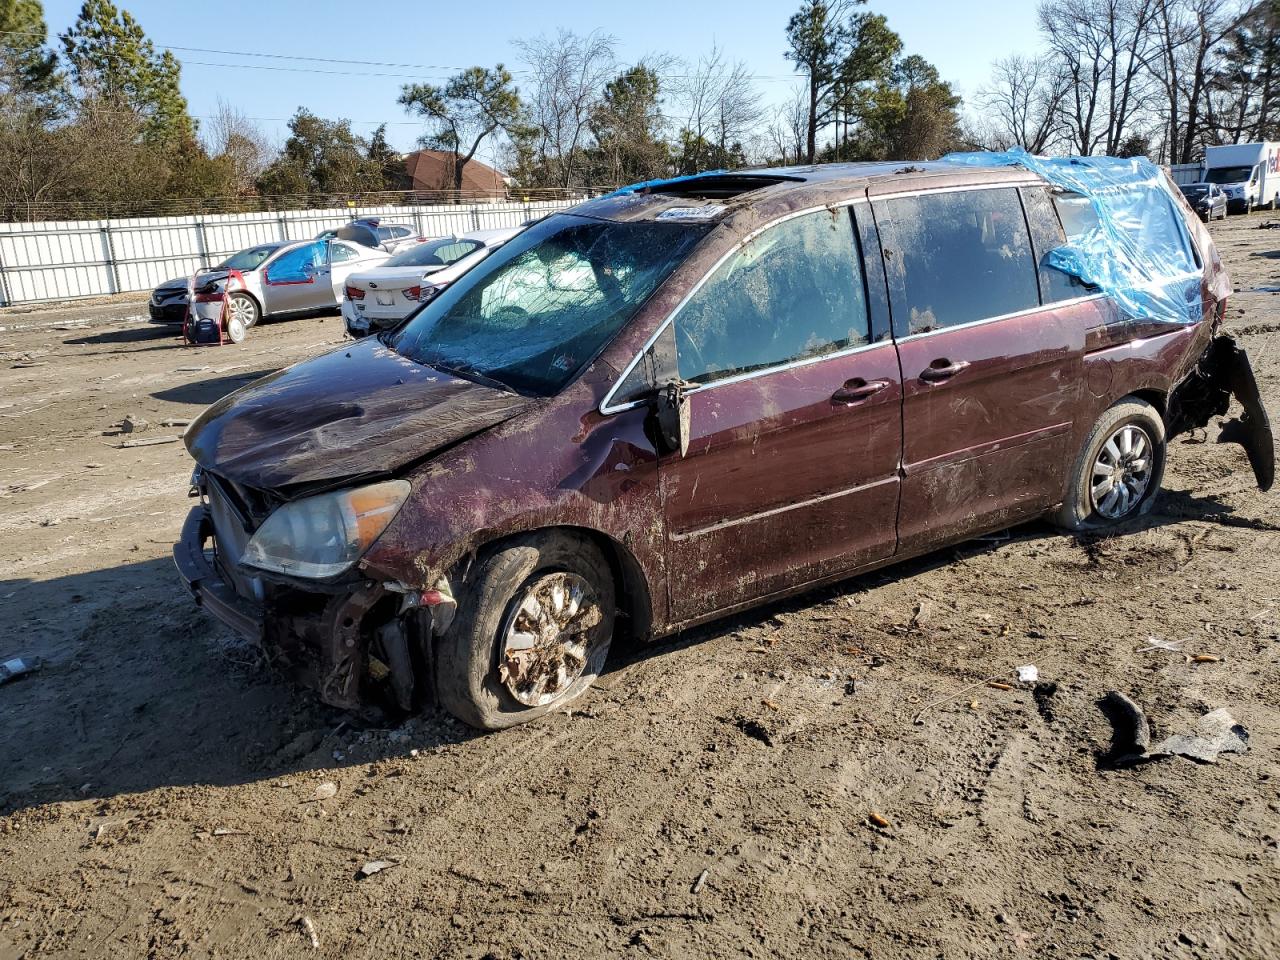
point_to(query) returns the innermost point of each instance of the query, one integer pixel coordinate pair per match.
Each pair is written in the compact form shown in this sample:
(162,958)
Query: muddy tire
(1117,475)
(532,631)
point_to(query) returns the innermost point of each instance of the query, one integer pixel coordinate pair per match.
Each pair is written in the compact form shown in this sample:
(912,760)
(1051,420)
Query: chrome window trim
(994,185)
(607,408)
(1040,308)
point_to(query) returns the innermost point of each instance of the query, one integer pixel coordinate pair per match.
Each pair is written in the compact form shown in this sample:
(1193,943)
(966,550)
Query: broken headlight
(324,535)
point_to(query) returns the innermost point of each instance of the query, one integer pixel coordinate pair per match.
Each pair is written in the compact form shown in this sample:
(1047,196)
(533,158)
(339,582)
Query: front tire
(1118,472)
(532,632)
(245,308)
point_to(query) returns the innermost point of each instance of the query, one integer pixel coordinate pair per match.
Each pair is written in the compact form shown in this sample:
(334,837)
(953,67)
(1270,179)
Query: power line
(368,63)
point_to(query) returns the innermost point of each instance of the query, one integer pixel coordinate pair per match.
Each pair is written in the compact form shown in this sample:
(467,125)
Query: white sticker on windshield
(692,213)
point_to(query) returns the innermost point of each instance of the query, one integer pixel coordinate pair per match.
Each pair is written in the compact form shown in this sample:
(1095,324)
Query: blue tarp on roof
(1140,252)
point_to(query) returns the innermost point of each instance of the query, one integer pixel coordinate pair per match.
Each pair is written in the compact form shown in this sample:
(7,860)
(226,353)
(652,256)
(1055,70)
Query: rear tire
(498,665)
(1117,474)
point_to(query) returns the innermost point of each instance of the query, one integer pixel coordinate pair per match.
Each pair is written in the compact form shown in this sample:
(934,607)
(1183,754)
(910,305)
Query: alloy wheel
(240,308)
(1122,472)
(545,637)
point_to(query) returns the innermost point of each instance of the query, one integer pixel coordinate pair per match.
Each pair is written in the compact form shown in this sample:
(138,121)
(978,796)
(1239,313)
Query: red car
(668,405)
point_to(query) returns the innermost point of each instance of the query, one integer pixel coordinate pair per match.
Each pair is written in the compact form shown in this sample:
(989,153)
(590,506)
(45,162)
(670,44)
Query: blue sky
(431,43)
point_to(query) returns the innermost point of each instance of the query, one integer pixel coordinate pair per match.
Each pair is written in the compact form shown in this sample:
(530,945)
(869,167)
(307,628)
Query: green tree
(461,115)
(321,156)
(388,161)
(846,56)
(109,54)
(627,127)
(913,115)
(26,65)
(817,41)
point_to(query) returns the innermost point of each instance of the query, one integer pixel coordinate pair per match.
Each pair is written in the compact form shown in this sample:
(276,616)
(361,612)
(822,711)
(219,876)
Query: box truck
(1249,174)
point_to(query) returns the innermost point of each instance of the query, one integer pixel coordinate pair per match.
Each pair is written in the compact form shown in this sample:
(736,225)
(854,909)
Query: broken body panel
(788,478)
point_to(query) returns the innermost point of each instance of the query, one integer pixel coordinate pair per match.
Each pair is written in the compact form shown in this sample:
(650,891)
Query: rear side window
(1077,215)
(954,258)
(1046,233)
(792,293)
(340,252)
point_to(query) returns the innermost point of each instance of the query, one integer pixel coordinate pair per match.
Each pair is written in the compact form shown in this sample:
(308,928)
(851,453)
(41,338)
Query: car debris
(18,666)
(1216,732)
(309,928)
(374,867)
(147,442)
(323,791)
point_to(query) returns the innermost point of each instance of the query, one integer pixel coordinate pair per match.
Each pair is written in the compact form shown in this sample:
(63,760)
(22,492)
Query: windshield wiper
(469,372)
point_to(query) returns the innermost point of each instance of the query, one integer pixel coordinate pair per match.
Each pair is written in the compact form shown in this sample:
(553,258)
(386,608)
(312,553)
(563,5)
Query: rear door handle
(942,369)
(857,390)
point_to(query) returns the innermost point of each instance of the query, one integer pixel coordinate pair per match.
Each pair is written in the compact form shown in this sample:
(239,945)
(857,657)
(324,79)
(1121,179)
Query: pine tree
(26,66)
(110,56)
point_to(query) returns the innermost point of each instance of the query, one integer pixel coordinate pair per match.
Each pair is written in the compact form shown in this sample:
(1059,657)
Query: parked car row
(380,298)
(378,272)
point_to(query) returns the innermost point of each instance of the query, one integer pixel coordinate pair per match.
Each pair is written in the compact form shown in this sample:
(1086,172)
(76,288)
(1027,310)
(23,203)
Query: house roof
(433,170)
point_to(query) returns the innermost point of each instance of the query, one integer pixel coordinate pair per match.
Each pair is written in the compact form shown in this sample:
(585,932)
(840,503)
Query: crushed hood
(361,409)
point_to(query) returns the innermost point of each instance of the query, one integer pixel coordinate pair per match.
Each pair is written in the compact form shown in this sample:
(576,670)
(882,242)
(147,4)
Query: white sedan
(380,298)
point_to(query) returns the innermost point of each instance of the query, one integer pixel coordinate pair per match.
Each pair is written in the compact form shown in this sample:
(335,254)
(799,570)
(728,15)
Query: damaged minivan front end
(298,475)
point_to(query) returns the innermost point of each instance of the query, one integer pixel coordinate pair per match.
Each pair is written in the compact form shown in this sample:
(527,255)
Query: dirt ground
(825,777)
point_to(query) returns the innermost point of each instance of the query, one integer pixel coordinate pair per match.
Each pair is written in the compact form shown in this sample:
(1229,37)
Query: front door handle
(942,369)
(857,390)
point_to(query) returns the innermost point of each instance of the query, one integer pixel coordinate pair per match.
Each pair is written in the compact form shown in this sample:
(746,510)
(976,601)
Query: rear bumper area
(206,586)
(1223,372)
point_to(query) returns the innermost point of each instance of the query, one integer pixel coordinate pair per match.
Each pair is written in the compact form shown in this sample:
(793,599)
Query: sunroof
(720,186)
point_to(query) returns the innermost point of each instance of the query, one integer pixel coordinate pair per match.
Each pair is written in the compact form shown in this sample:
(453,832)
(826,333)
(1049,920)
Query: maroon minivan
(664,406)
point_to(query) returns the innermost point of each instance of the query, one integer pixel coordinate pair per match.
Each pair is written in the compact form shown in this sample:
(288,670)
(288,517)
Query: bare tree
(1102,48)
(230,135)
(789,127)
(717,103)
(569,74)
(1022,105)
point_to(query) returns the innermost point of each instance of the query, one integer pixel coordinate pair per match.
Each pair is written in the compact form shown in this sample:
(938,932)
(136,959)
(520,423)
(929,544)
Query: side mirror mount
(667,421)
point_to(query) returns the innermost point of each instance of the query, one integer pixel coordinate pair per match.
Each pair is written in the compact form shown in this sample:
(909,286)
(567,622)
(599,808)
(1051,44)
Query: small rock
(133,424)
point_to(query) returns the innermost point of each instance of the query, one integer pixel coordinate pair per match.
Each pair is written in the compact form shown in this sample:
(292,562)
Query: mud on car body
(680,401)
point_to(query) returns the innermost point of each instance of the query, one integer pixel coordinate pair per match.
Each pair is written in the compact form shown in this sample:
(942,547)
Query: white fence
(63,260)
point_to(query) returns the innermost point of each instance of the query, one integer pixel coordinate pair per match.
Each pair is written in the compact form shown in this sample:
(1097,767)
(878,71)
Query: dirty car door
(791,470)
(991,378)
(297,280)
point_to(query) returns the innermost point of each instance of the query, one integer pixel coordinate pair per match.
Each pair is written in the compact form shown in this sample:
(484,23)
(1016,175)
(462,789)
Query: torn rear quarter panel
(1223,371)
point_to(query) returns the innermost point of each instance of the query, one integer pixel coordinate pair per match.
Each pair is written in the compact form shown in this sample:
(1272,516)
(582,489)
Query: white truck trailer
(1249,174)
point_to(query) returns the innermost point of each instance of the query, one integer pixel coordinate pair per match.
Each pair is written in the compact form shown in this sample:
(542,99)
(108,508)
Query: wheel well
(631,586)
(1156,398)
(250,294)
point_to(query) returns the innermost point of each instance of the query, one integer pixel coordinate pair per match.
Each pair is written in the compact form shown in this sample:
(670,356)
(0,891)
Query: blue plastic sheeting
(1139,252)
(647,184)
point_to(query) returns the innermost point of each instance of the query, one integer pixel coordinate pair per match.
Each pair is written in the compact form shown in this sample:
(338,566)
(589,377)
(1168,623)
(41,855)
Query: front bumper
(209,589)
(343,644)
(171,311)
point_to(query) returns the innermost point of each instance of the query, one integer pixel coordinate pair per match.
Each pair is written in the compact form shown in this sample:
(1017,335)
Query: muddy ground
(824,777)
